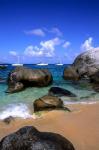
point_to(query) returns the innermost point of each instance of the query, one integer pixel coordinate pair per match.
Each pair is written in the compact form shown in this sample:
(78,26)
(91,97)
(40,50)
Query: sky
(52,31)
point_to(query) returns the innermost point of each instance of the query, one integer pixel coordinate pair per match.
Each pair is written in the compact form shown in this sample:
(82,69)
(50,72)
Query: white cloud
(50,44)
(37,32)
(47,48)
(66,44)
(56,31)
(13,53)
(33,51)
(87,45)
(44,31)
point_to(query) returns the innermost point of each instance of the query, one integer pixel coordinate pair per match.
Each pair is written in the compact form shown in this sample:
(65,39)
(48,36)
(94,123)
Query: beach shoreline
(80,126)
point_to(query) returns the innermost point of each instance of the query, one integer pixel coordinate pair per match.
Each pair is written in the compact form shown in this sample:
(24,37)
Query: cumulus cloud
(47,48)
(66,44)
(13,53)
(33,51)
(87,45)
(50,44)
(37,32)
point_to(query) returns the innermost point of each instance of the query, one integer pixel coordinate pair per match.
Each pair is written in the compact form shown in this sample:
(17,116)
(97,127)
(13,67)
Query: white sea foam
(80,102)
(16,110)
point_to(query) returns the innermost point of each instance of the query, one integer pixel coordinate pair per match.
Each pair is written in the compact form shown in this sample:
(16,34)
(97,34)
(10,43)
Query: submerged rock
(22,77)
(57,91)
(48,102)
(29,138)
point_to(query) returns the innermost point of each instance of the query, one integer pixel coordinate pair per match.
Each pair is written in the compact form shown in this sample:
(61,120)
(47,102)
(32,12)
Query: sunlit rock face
(22,77)
(84,66)
(87,63)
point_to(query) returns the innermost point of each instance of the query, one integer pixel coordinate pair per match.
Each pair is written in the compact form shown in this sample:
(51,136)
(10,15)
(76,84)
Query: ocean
(20,104)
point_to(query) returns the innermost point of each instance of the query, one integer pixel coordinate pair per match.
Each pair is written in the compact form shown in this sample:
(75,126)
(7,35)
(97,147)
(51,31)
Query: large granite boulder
(22,77)
(85,65)
(29,138)
(48,102)
(58,91)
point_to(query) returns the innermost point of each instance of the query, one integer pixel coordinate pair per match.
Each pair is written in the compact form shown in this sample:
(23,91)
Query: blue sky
(47,30)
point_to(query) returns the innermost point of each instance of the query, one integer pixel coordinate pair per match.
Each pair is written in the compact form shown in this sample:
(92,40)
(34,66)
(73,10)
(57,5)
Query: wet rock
(95,87)
(48,102)
(15,87)
(8,119)
(57,91)
(70,74)
(22,77)
(95,77)
(29,138)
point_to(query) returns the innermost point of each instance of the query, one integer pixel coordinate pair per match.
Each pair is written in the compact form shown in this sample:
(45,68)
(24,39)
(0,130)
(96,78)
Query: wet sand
(81,126)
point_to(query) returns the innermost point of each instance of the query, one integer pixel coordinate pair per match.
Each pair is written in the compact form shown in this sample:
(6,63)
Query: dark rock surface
(22,77)
(95,77)
(8,119)
(57,91)
(29,138)
(48,102)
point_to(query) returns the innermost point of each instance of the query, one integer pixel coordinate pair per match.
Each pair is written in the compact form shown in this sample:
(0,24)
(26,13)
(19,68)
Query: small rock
(57,91)
(48,102)
(8,119)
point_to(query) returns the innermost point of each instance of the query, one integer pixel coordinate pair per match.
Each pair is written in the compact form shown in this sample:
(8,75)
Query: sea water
(19,104)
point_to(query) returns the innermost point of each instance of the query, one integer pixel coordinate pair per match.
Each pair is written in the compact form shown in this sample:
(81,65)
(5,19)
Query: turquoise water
(18,104)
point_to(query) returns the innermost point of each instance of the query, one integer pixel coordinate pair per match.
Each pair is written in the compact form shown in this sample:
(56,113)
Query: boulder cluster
(85,66)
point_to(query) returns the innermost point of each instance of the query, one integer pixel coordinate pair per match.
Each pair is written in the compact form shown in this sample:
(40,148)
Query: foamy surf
(16,110)
(80,102)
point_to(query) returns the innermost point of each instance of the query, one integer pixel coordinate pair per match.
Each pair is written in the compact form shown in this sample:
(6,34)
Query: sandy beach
(81,126)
